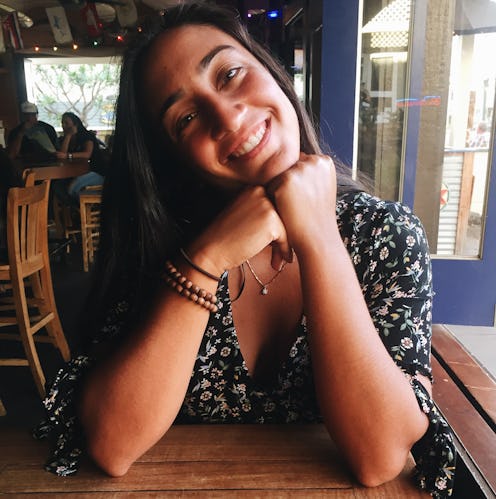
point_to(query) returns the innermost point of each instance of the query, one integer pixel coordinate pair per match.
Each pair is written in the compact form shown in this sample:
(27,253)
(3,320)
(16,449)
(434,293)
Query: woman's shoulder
(85,135)
(364,217)
(359,205)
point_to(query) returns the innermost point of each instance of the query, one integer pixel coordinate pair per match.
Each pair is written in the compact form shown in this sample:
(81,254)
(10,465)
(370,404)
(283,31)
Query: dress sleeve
(397,285)
(62,423)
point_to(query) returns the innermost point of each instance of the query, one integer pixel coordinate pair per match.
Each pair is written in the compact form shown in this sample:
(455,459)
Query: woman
(234,250)
(79,143)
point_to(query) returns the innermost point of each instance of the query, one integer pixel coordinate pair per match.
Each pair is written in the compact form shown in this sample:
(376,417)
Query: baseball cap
(29,108)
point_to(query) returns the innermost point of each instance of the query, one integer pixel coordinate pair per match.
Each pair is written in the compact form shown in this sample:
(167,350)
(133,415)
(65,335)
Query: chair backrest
(29,177)
(27,231)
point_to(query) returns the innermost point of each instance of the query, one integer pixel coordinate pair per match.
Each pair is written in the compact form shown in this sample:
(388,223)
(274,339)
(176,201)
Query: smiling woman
(216,168)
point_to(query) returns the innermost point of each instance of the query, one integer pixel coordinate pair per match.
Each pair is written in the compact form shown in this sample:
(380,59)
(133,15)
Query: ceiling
(38,38)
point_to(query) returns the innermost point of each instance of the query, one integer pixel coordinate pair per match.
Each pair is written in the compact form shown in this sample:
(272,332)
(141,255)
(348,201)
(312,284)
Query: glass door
(423,103)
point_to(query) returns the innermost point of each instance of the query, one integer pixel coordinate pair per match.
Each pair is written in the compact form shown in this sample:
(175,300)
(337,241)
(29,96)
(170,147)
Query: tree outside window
(86,87)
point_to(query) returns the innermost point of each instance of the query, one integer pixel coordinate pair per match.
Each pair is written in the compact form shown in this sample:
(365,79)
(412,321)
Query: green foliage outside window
(88,90)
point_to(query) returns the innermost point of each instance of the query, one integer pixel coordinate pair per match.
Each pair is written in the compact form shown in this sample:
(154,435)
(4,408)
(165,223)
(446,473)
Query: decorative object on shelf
(127,15)
(94,27)
(13,30)
(60,27)
(24,20)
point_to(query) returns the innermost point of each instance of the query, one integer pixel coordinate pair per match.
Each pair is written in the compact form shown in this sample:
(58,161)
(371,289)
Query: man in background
(32,141)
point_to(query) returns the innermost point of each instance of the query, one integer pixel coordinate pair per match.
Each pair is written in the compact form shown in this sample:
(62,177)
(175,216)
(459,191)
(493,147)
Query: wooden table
(59,170)
(265,461)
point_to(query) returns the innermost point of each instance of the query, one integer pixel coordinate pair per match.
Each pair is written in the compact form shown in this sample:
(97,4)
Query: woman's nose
(227,116)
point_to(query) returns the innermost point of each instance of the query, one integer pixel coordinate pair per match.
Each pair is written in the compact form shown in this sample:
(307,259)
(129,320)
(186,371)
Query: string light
(55,48)
(75,46)
(36,48)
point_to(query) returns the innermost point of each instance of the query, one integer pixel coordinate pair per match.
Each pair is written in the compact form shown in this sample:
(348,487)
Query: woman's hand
(241,231)
(70,131)
(305,199)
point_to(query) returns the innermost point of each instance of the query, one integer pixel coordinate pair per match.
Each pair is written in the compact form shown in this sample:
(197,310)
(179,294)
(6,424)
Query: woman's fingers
(304,197)
(281,253)
(243,229)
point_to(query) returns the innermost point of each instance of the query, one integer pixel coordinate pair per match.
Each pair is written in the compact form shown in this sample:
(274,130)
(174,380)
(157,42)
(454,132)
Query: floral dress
(388,248)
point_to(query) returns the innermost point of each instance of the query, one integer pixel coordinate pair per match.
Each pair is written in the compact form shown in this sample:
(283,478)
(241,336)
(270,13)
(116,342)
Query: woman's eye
(184,121)
(230,74)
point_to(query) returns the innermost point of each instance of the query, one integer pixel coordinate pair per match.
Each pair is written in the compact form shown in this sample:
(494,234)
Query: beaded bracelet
(182,285)
(193,264)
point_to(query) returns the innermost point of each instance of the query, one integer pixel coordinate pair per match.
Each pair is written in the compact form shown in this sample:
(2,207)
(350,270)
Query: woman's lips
(251,142)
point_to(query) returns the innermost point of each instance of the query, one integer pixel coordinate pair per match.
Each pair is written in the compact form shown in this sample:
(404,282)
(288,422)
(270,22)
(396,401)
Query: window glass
(383,92)
(87,87)
(455,135)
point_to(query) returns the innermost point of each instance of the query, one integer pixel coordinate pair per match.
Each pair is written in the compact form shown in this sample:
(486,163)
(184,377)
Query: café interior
(425,140)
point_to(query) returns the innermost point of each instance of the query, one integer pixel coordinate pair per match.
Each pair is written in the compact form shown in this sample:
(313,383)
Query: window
(87,87)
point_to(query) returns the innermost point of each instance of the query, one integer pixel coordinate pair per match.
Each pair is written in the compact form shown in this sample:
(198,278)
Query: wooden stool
(90,200)
(29,266)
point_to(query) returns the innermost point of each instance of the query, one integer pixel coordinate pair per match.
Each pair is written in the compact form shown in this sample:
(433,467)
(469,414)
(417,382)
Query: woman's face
(67,123)
(220,108)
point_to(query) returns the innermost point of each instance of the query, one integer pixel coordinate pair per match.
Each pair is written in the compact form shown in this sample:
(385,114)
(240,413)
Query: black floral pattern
(388,248)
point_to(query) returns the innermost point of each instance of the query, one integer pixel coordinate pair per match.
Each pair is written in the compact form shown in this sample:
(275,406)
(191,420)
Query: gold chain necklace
(264,290)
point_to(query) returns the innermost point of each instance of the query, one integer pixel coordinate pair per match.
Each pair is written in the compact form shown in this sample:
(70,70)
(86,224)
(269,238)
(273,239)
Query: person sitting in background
(33,140)
(78,143)
(480,139)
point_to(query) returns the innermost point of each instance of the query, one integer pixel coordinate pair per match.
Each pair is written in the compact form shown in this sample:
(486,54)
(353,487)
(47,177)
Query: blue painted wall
(339,66)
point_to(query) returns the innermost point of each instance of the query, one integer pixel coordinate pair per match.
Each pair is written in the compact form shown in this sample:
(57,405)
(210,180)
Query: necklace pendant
(264,290)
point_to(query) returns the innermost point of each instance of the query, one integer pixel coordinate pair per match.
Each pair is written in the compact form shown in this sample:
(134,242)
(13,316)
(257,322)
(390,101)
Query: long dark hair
(150,205)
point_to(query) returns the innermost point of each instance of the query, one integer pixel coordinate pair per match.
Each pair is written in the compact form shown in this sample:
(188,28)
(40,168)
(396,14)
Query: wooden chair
(89,207)
(29,268)
(62,215)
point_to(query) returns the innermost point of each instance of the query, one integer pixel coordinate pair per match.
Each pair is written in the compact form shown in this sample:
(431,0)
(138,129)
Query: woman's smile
(251,143)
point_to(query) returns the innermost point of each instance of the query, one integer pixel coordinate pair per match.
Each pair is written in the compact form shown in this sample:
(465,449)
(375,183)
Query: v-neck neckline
(259,386)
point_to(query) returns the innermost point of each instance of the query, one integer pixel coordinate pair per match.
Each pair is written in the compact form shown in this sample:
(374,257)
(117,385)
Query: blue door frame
(465,288)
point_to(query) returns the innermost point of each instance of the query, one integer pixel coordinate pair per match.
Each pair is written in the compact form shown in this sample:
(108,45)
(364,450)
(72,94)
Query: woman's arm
(367,403)
(84,154)
(132,397)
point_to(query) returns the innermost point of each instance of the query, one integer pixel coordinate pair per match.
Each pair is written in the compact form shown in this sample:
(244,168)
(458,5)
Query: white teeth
(251,142)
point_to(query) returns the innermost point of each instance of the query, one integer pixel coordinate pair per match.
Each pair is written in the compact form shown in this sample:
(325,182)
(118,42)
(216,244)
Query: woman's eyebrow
(168,103)
(208,58)
(202,66)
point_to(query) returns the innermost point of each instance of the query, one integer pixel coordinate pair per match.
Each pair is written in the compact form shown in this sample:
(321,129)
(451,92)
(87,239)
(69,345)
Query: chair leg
(3,412)
(24,325)
(58,217)
(34,362)
(45,293)
(84,234)
(47,305)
